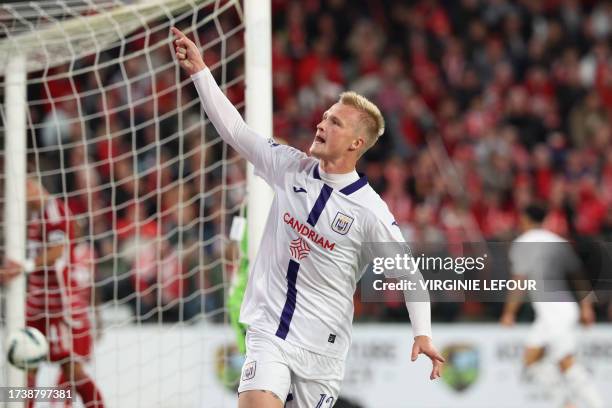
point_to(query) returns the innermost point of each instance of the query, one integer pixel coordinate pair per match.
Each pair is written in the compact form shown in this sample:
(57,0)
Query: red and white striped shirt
(52,292)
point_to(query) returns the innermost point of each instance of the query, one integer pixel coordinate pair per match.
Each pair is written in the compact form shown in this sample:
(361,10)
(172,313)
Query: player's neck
(336,167)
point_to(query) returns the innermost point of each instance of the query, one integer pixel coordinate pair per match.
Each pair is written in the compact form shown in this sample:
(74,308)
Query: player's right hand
(187,53)
(10,270)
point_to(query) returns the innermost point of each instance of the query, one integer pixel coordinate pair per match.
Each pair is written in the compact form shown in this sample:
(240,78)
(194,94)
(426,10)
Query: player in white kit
(299,299)
(549,259)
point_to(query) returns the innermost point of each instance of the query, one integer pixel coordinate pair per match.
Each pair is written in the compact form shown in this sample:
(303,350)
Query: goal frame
(258,112)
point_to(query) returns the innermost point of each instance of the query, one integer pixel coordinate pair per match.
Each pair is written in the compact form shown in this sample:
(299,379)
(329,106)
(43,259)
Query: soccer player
(299,298)
(55,304)
(549,259)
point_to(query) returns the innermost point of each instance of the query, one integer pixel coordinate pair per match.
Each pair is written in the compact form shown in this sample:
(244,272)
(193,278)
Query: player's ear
(357,144)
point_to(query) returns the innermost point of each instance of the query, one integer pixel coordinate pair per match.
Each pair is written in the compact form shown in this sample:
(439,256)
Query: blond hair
(372,120)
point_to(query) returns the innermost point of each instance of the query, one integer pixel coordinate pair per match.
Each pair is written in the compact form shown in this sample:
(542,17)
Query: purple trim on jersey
(356,185)
(319,205)
(289,308)
(315,172)
(351,188)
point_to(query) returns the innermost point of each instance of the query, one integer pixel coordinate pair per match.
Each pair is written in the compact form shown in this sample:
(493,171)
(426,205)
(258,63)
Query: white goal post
(14,203)
(47,45)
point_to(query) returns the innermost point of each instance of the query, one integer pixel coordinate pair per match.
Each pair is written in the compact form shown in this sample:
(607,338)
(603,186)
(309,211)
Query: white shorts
(299,377)
(554,329)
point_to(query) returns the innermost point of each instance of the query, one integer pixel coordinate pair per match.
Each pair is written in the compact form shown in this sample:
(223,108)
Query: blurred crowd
(490,105)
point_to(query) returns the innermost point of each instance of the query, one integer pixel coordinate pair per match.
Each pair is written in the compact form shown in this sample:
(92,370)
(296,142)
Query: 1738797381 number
(16,394)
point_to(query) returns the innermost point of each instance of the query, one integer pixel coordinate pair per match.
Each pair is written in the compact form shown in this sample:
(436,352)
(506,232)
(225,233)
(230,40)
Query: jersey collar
(346,190)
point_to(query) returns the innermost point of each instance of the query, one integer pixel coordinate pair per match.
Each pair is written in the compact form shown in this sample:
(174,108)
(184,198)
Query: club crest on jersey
(342,223)
(249,371)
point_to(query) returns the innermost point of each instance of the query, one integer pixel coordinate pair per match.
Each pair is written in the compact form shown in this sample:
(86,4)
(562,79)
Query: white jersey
(302,281)
(548,259)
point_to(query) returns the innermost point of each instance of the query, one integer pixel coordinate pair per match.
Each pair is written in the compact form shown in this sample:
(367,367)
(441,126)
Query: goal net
(115,133)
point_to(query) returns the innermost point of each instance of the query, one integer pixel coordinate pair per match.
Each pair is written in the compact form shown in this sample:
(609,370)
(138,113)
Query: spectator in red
(556,218)
(542,171)
(590,209)
(158,280)
(395,194)
(498,219)
(282,80)
(319,62)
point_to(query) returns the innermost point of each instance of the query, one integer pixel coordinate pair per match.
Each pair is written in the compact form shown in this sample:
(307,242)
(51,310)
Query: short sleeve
(572,264)
(521,257)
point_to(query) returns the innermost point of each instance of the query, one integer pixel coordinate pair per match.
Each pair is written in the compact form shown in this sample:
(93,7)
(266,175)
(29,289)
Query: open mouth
(319,139)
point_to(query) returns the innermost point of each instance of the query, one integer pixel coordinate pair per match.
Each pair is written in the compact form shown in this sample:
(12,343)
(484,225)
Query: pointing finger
(178,33)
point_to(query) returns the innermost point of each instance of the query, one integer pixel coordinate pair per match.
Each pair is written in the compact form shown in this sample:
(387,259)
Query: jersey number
(328,402)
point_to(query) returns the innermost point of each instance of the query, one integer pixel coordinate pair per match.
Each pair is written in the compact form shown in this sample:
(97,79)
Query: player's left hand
(187,53)
(10,270)
(423,345)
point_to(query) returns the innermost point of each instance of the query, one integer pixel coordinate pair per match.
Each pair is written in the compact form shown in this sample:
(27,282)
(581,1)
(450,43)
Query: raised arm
(269,159)
(187,53)
(223,115)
